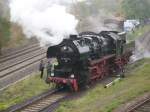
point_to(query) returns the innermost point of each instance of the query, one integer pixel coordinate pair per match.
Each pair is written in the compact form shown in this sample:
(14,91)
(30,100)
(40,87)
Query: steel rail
(21,61)
(19,50)
(20,53)
(9,72)
(37,104)
(138,105)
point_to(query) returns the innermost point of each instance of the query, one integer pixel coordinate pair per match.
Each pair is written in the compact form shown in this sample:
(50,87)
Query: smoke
(92,15)
(47,20)
(98,22)
(140,52)
(142,47)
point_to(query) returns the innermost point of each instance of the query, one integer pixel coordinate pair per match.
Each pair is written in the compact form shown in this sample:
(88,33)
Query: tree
(136,9)
(4,32)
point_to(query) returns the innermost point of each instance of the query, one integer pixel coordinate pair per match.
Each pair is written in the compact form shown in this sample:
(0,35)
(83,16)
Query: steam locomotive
(88,56)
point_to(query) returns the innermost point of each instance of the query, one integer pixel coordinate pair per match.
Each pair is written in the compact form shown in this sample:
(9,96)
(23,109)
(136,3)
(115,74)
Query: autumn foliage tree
(4,32)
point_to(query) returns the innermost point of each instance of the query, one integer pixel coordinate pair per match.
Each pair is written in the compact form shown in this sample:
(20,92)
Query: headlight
(52,74)
(72,76)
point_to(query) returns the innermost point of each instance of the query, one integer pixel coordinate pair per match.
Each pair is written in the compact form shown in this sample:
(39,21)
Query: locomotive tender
(87,57)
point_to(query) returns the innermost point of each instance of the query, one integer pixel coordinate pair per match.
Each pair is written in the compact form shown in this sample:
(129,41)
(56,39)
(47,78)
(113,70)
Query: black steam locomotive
(87,57)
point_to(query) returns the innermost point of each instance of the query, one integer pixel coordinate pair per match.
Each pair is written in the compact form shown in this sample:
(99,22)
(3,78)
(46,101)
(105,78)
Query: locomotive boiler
(88,56)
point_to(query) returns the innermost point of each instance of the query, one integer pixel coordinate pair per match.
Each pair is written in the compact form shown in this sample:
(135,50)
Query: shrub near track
(100,99)
(23,90)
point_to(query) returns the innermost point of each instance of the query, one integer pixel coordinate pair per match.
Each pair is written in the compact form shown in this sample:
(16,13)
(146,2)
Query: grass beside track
(21,91)
(100,99)
(138,32)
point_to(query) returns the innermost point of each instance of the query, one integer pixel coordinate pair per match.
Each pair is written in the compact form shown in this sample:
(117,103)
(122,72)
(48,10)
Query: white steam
(142,47)
(47,20)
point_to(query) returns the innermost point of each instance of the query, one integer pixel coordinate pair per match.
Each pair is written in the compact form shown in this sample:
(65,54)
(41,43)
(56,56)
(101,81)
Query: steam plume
(142,46)
(48,20)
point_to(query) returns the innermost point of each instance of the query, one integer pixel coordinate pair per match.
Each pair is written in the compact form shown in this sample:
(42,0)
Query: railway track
(143,106)
(21,65)
(40,103)
(18,53)
(21,59)
(17,65)
(9,51)
(18,75)
(18,49)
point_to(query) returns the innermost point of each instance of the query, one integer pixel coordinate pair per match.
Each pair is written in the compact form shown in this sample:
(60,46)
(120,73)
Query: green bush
(136,9)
